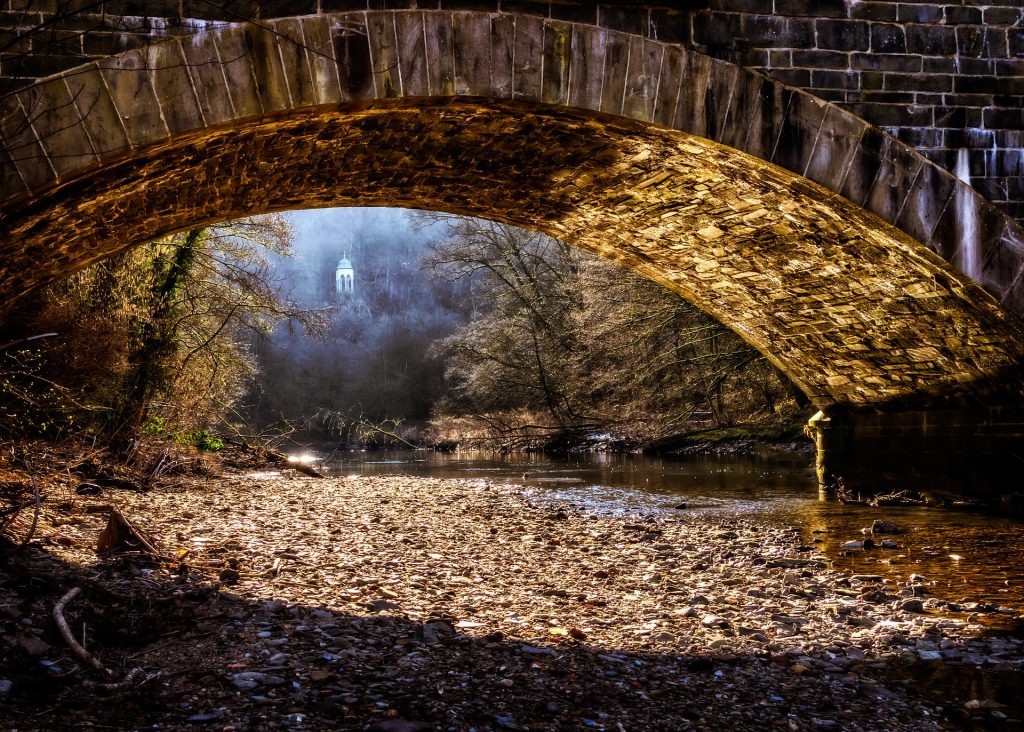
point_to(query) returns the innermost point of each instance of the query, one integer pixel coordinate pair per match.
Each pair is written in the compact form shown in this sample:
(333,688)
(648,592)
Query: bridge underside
(860,316)
(853,310)
(596,137)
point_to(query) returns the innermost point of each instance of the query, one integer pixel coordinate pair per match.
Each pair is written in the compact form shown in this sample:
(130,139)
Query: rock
(88,489)
(713,621)
(930,655)
(682,506)
(853,545)
(5,687)
(33,646)
(912,606)
(253,679)
(381,605)
(229,576)
(879,526)
(889,544)
(507,683)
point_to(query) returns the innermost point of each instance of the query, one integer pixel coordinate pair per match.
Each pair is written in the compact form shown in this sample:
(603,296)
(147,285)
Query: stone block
(642,78)
(692,93)
(888,38)
(384,55)
(616,58)
(587,63)
(874,11)
(799,133)
(268,67)
(669,85)
(319,47)
(772,31)
(669,25)
(131,90)
(237,69)
(527,80)
(767,115)
(173,86)
(1002,15)
(57,126)
(558,56)
(817,59)
(925,202)
(207,74)
(503,41)
(624,19)
(1003,257)
(716,30)
(21,144)
(843,35)
(472,46)
(746,96)
(834,80)
(931,40)
(920,13)
(910,63)
(864,166)
(822,8)
(722,81)
(838,138)
(437,35)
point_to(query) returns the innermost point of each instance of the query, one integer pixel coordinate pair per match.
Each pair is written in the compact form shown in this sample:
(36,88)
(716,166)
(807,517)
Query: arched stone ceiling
(562,128)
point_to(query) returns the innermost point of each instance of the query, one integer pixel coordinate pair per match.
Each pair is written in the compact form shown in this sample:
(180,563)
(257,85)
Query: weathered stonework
(944,76)
(787,218)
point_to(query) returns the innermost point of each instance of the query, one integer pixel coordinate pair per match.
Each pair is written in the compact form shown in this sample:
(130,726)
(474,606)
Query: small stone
(5,686)
(229,576)
(381,605)
(884,527)
(33,646)
(507,683)
(912,606)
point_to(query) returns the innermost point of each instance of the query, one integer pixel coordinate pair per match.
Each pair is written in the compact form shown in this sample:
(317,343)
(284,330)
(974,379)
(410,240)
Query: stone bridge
(844,255)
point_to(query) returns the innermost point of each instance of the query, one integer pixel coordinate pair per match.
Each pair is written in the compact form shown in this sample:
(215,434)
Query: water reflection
(776,489)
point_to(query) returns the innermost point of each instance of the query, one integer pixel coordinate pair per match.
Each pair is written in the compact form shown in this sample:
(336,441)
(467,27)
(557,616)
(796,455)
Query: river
(969,556)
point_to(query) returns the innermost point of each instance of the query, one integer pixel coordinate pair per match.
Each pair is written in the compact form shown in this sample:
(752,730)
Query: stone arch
(790,220)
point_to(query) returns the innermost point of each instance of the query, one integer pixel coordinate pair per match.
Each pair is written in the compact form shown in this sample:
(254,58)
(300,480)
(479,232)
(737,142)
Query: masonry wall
(943,77)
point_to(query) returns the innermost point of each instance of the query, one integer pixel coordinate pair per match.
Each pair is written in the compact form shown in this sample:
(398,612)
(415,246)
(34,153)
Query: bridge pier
(973,451)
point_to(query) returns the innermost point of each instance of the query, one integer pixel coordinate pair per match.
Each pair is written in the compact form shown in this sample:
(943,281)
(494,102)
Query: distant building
(344,276)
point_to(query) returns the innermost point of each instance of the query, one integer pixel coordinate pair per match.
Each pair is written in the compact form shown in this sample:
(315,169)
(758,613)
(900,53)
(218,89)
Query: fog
(374,361)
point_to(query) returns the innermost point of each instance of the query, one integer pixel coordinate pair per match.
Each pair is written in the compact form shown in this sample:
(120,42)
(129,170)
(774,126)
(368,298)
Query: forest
(456,331)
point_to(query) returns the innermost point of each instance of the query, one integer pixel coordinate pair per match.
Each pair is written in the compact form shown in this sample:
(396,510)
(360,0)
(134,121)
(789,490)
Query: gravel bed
(404,604)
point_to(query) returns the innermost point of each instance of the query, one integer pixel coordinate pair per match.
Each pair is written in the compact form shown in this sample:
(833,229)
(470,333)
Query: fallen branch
(129,678)
(65,631)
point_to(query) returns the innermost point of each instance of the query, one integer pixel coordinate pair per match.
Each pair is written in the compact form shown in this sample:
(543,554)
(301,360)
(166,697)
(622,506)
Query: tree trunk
(156,343)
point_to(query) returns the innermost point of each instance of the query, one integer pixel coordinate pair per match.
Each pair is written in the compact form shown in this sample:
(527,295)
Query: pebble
(553,617)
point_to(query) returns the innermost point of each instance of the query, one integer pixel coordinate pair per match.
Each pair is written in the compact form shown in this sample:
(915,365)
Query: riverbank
(399,603)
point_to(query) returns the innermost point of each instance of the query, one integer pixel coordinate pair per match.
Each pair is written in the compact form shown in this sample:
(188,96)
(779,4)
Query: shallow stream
(970,557)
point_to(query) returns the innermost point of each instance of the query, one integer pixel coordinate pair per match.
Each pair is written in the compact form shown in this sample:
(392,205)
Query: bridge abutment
(976,451)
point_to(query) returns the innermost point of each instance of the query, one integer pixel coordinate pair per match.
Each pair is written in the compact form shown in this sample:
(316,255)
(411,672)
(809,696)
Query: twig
(38,502)
(65,631)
